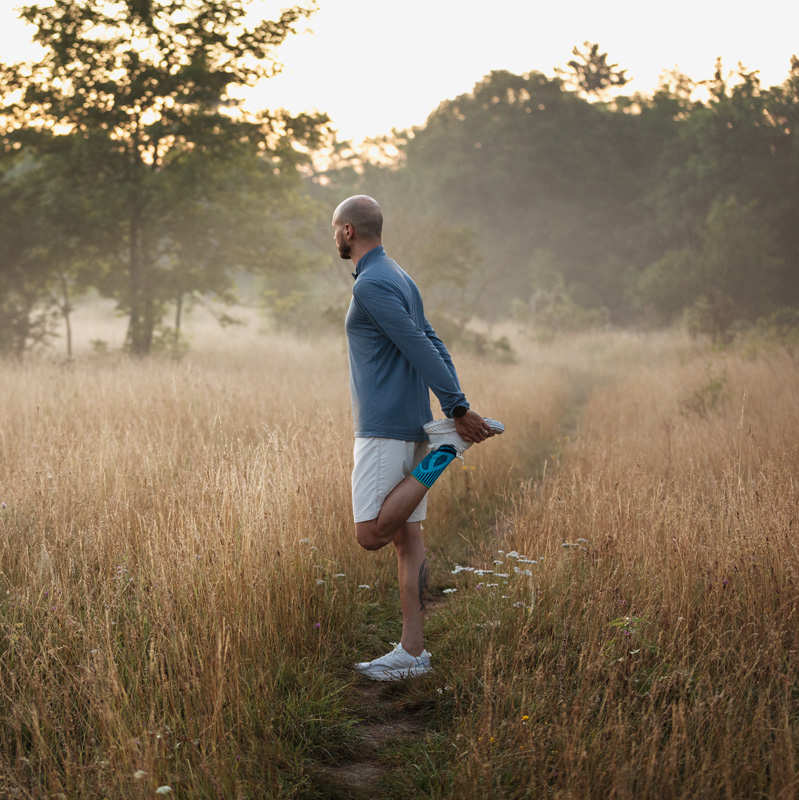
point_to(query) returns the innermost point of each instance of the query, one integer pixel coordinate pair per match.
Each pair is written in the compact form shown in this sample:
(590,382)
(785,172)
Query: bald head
(363,213)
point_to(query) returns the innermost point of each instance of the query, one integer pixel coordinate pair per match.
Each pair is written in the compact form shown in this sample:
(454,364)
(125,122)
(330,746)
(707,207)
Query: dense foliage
(632,209)
(127,168)
(130,112)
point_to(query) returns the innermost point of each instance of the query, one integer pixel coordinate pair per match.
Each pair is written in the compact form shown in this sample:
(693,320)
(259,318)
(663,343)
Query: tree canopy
(137,97)
(127,165)
(632,209)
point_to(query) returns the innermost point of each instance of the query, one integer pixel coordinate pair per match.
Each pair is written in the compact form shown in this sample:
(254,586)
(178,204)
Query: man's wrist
(459,411)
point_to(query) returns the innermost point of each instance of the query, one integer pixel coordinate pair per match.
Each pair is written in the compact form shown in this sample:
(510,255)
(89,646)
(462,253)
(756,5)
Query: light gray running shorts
(380,464)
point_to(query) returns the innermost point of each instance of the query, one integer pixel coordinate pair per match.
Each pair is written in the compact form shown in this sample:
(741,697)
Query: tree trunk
(178,312)
(23,329)
(140,325)
(66,311)
(136,322)
(148,321)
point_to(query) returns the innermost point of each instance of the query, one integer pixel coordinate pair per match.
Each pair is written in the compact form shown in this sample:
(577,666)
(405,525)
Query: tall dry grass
(652,651)
(179,580)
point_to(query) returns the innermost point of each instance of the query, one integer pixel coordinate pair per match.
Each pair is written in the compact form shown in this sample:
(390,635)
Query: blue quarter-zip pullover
(395,355)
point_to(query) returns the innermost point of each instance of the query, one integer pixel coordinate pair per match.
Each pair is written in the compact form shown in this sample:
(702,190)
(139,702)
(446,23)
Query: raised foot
(442,431)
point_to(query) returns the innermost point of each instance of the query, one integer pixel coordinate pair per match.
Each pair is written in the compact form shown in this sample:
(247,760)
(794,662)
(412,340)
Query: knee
(367,538)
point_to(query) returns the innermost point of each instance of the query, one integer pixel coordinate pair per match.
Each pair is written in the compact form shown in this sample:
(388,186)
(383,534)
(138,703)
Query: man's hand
(472,427)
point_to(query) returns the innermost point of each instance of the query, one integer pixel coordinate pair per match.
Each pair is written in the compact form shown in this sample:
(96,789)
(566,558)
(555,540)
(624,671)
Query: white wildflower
(522,571)
(320,581)
(163,789)
(449,591)
(512,554)
(340,575)
(139,774)
(364,586)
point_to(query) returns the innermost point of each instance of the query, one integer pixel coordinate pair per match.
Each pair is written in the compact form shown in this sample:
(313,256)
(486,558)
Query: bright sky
(374,65)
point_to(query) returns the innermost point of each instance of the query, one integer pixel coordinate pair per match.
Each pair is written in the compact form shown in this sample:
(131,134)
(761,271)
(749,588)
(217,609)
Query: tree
(24,283)
(595,209)
(591,72)
(782,112)
(725,201)
(527,166)
(145,86)
(45,241)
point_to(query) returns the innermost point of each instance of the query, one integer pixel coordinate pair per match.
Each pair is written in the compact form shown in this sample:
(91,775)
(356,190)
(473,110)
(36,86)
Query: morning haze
(611,259)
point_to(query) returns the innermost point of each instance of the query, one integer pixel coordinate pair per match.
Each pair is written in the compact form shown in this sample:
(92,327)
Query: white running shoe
(396,665)
(442,431)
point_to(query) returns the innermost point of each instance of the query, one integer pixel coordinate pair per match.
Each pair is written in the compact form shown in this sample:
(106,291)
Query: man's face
(340,231)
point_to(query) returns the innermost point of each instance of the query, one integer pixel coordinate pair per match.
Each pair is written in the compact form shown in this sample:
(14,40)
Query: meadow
(182,596)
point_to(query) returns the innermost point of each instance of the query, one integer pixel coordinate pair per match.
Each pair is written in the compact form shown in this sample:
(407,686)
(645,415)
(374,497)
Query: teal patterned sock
(433,464)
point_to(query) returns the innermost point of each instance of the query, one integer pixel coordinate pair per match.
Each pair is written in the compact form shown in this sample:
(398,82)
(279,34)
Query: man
(395,358)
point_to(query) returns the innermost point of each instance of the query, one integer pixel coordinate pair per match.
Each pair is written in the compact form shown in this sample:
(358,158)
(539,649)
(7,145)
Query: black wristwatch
(459,411)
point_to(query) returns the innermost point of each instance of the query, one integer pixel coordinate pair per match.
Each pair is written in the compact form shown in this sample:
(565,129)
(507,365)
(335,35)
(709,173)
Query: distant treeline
(569,209)
(130,172)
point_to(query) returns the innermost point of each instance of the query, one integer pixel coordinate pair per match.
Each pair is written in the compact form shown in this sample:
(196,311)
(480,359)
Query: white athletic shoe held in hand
(442,431)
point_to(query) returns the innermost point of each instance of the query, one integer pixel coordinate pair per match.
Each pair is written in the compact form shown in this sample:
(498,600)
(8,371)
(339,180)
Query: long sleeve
(422,348)
(447,359)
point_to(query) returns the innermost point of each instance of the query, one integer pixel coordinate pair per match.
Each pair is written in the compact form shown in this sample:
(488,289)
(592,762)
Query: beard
(344,250)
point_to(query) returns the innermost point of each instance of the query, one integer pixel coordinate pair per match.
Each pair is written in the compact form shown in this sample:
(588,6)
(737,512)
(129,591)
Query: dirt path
(391,715)
(394,718)
(387,720)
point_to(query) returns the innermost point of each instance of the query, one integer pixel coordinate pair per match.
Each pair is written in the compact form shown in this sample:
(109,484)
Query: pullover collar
(363,263)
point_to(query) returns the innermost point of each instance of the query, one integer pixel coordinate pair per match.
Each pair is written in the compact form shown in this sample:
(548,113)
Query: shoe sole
(393,674)
(438,426)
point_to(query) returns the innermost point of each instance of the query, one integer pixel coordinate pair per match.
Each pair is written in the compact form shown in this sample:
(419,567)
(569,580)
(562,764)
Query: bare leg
(397,507)
(412,571)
